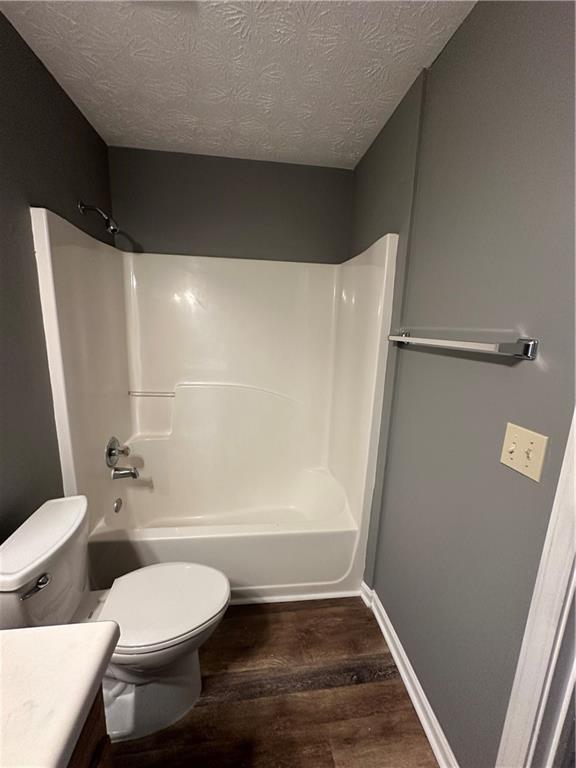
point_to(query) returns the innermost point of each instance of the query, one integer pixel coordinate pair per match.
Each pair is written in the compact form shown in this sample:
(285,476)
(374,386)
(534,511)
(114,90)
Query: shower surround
(248,391)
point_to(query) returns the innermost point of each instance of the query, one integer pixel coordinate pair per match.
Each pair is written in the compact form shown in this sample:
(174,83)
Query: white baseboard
(366,594)
(432,728)
(247,599)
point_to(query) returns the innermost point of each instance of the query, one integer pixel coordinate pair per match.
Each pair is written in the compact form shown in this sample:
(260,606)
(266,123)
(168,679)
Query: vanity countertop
(49,677)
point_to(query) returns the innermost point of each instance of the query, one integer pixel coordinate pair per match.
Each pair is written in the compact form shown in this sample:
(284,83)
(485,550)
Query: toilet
(165,612)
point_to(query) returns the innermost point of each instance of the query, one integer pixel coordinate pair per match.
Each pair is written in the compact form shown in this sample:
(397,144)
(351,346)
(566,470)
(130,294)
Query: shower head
(109,222)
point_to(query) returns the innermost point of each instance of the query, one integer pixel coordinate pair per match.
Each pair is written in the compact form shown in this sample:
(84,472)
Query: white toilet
(165,612)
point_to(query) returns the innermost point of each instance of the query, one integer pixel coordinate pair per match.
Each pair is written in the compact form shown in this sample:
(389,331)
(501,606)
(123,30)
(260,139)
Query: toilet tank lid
(42,534)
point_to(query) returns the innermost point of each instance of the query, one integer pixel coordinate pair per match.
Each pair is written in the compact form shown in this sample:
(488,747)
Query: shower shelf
(149,393)
(521,349)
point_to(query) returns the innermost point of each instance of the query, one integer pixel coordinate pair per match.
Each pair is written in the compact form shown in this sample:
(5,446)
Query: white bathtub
(304,548)
(236,379)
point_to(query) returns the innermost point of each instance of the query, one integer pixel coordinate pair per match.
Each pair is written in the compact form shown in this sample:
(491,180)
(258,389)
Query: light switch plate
(524,451)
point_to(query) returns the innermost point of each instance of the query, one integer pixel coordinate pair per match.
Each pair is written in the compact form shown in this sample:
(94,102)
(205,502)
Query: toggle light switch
(524,451)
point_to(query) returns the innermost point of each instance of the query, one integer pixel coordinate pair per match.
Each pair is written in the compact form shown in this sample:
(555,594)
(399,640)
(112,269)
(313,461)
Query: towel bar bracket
(524,349)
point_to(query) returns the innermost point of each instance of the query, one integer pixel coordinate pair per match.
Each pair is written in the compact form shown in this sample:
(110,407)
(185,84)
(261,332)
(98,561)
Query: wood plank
(298,714)
(280,753)
(335,634)
(393,740)
(295,606)
(248,641)
(254,685)
(256,637)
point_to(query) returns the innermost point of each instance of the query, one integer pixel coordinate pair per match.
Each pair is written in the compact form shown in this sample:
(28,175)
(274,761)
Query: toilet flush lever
(114,450)
(41,582)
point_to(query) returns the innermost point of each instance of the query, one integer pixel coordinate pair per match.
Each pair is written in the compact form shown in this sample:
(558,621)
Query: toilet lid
(160,604)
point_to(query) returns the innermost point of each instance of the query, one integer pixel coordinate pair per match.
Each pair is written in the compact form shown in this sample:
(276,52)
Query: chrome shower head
(109,222)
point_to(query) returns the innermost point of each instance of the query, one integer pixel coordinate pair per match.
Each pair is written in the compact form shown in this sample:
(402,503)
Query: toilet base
(136,710)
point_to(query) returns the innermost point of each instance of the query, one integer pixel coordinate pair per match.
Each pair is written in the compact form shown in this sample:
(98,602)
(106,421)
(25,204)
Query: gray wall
(384,183)
(167,202)
(384,177)
(49,156)
(492,247)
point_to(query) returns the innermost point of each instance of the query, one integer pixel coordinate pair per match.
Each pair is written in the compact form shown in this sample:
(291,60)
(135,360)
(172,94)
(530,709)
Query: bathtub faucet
(122,473)
(114,449)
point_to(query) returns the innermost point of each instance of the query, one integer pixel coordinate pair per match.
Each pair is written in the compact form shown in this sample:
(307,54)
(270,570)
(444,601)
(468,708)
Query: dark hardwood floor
(293,685)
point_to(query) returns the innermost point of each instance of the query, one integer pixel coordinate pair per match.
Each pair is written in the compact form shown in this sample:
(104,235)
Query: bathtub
(248,391)
(256,547)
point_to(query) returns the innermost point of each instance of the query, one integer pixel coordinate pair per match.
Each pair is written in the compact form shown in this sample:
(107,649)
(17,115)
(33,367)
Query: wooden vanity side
(93,748)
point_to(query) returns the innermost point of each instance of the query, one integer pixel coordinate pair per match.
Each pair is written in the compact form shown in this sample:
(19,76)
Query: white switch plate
(524,451)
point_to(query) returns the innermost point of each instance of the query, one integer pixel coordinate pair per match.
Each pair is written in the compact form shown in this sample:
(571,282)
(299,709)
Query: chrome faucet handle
(114,450)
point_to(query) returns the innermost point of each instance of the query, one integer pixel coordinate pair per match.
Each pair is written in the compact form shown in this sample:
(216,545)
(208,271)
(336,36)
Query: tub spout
(122,473)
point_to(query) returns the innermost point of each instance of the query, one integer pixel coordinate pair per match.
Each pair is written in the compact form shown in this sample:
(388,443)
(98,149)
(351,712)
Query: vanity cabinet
(45,695)
(93,748)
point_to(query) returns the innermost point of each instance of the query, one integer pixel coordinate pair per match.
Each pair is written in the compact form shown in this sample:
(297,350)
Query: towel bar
(522,349)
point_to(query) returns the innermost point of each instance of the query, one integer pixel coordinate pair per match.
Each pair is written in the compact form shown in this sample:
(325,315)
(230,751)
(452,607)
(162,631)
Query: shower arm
(111,225)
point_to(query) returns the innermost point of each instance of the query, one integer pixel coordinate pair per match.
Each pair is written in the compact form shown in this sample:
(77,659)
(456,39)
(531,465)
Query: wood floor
(293,685)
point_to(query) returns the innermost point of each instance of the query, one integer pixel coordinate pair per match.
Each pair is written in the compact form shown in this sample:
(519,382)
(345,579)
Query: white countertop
(49,677)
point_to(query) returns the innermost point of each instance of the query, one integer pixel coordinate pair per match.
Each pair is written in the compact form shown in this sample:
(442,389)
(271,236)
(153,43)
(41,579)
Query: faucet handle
(114,450)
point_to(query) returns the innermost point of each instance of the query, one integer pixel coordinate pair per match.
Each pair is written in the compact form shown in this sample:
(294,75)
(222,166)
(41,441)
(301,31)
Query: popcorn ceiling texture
(298,82)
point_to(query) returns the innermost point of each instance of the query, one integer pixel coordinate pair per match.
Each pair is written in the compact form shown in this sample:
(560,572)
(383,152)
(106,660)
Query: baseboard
(246,599)
(367,594)
(432,728)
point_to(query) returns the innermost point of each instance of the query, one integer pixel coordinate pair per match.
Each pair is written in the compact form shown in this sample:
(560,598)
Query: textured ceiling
(299,82)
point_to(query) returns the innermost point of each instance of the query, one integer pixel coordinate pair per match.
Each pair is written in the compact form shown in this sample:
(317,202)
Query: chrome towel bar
(522,349)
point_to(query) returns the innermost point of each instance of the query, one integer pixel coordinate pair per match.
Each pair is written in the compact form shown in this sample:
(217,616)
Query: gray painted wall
(167,202)
(384,183)
(492,247)
(49,156)
(384,177)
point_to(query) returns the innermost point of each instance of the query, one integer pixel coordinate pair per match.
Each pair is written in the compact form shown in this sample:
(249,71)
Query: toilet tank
(44,567)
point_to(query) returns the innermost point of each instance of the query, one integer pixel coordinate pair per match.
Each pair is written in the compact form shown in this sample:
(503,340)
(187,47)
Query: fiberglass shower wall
(81,292)
(230,371)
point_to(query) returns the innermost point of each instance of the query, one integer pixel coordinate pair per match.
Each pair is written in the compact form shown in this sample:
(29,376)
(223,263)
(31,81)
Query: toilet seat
(163,605)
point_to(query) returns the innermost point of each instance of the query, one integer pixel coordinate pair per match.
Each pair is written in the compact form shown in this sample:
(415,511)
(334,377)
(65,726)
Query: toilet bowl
(165,612)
